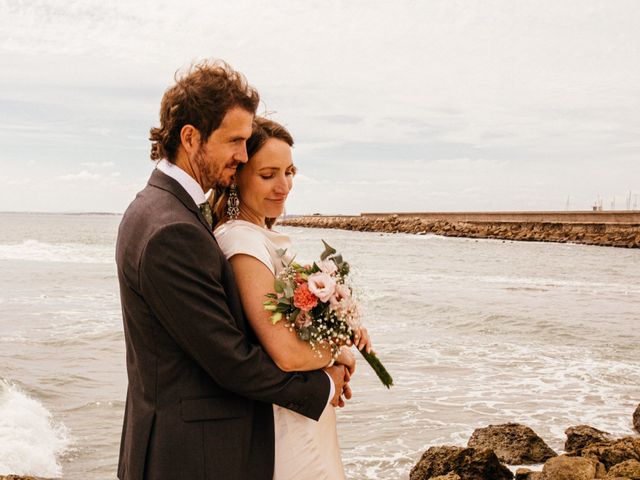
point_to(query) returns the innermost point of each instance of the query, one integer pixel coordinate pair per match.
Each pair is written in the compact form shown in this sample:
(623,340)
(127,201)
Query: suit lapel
(160,180)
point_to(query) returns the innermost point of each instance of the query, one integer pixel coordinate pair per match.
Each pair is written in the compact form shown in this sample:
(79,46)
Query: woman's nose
(282,185)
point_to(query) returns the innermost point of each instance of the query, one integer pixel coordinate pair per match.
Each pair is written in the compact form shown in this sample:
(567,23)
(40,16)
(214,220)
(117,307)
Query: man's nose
(241,155)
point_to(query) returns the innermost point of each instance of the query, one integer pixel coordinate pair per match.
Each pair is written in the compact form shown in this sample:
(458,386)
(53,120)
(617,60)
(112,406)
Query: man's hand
(347,359)
(339,376)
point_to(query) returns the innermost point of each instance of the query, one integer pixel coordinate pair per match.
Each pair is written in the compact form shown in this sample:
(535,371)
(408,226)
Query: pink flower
(341,293)
(322,285)
(303,320)
(327,266)
(303,298)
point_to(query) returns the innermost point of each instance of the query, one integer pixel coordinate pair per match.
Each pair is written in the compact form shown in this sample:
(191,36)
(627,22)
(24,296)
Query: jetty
(603,228)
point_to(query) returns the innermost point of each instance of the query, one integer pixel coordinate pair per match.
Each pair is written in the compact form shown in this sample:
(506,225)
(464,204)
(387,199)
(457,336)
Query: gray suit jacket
(200,387)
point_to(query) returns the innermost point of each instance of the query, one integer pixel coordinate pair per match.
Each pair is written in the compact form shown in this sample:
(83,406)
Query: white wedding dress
(304,449)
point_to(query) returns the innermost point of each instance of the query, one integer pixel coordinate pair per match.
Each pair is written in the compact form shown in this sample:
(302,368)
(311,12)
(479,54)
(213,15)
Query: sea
(474,332)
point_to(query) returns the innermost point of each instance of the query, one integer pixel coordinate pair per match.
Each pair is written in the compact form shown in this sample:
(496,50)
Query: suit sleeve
(180,278)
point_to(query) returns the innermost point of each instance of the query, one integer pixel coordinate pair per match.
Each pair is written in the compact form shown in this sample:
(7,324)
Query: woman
(304,449)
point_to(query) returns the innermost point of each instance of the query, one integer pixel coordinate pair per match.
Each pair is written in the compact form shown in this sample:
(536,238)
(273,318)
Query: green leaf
(304,334)
(281,252)
(276,317)
(272,296)
(288,291)
(293,316)
(328,250)
(337,259)
(284,302)
(270,307)
(279,286)
(344,269)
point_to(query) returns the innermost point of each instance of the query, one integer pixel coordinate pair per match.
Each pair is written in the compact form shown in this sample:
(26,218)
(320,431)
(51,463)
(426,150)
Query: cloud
(98,164)
(540,94)
(83,176)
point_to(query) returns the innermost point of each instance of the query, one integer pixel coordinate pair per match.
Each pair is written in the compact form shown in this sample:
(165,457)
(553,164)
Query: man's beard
(207,175)
(211,173)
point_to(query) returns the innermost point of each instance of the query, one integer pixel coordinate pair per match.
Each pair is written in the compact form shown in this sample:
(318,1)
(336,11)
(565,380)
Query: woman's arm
(291,354)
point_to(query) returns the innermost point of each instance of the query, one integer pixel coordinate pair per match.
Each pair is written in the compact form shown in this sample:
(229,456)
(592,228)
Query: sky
(403,105)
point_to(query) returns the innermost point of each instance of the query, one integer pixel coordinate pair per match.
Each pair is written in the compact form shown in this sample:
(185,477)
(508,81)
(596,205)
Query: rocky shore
(589,454)
(625,235)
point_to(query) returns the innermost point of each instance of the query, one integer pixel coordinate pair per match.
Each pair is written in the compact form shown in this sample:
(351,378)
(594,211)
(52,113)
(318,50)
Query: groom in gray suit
(200,386)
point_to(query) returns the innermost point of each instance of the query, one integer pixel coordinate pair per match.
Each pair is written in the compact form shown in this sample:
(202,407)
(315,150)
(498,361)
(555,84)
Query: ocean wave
(34,250)
(31,443)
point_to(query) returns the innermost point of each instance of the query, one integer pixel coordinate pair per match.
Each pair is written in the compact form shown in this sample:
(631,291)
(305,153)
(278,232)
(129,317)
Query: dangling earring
(233,202)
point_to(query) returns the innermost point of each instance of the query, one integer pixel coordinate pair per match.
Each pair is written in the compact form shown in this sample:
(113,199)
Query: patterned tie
(205,208)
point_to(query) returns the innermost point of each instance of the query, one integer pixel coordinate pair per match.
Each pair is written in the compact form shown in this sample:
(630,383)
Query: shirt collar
(185,180)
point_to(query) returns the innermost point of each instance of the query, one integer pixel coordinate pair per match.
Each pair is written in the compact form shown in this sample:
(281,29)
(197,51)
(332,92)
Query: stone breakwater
(525,229)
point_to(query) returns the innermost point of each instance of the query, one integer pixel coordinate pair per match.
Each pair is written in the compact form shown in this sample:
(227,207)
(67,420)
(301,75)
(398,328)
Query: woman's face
(265,181)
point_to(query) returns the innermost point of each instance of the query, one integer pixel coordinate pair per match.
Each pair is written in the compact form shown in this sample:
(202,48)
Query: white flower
(322,285)
(327,266)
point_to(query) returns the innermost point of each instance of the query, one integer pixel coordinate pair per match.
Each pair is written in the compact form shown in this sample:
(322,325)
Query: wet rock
(582,436)
(612,453)
(565,467)
(448,476)
(513,443)
(636,417)
(17,477)
(467,463)
(626,469)
(526,474)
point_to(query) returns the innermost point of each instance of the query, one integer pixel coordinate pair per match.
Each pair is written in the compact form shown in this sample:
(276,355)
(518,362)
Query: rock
(626,469)
(467,463)
(526,474)
(636,419)
(513,443)
(565,467)
(448,476)
(612,453)
(581,436)
(16,477)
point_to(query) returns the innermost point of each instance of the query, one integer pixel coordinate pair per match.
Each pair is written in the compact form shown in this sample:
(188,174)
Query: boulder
(636,419)
(626,469)
(467,463)
(612,453)
(448,476)
(582,436)
(565,467)
(514,444)
(526,474)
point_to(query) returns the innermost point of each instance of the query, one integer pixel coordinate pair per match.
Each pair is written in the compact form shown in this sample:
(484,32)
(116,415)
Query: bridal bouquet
(316,302)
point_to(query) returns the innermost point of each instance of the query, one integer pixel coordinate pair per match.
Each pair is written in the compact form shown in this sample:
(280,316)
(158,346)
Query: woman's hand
(348,359)
(361,339)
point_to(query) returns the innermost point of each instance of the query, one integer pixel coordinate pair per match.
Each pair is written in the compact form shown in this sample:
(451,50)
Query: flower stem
(378,367)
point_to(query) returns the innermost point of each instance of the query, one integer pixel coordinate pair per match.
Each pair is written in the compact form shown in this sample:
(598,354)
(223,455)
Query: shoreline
(606,229)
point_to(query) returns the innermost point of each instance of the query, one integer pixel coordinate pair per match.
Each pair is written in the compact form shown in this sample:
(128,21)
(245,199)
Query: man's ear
(190,138)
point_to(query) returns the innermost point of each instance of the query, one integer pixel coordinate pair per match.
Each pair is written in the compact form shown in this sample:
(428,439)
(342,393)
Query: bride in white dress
(304,448)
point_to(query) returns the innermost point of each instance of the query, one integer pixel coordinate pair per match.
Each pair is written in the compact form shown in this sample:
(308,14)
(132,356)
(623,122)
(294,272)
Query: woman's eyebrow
(274,168)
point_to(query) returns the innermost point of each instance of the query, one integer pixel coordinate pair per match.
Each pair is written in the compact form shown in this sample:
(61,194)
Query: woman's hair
(201,97)
(263,130)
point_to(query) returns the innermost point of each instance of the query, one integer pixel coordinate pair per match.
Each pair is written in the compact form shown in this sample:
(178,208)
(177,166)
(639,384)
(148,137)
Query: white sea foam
(30,441)
(34,250)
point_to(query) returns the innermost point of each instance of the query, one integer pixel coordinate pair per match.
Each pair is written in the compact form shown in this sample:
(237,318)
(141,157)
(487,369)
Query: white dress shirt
(196,192)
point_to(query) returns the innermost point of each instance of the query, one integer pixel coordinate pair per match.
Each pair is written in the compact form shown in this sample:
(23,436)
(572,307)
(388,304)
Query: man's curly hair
(201,97)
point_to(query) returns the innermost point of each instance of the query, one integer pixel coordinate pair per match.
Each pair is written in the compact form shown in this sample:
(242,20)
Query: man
(200,387)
